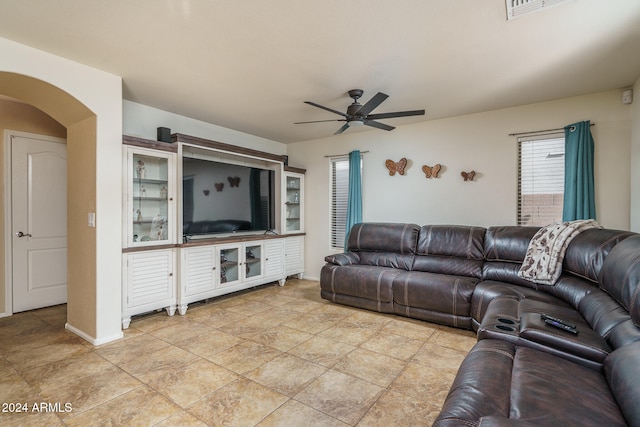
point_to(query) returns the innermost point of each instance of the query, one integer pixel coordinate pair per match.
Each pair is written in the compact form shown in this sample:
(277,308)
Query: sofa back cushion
(620,276)
(384,244)
(508,243)
(448,249)
(587,251)
(504,250)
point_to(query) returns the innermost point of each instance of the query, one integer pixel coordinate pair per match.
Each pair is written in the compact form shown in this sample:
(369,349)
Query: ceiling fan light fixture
(356,122)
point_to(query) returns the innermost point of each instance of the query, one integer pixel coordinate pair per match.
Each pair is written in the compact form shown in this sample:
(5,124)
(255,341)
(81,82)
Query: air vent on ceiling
(517,8)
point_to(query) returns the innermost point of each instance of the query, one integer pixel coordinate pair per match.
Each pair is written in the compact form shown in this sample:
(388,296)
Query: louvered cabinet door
(149,283)
(274,259)
(294,256)
(198,279)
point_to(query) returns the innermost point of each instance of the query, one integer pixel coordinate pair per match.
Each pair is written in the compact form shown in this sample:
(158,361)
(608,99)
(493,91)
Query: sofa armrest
(347,258)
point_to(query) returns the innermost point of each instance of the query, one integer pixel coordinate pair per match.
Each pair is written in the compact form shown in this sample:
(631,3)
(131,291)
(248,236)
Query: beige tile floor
(271,356)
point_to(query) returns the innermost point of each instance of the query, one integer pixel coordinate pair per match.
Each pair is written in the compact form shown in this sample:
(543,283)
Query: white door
(39,221)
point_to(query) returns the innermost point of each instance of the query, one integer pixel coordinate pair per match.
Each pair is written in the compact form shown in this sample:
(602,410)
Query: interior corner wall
(79,93)
(479,142)
(635,159)
(24,118)
(143,121)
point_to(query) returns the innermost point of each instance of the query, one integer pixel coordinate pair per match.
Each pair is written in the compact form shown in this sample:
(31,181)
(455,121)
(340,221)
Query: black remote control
(555,319)
(561,326)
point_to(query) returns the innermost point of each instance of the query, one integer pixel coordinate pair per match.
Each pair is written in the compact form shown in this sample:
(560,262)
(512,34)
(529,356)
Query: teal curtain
(354,199)
(579,195)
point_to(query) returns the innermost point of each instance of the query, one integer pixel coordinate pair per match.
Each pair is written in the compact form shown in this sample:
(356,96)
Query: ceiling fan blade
(326,108)
(320,121)
(396,114)
(378,125)
(372,104)
(342,129)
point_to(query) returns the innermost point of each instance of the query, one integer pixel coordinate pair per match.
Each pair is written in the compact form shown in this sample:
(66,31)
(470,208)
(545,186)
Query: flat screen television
(222,198)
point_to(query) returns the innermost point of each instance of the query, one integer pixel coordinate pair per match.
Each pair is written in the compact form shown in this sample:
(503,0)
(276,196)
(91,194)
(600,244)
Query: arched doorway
(89,315)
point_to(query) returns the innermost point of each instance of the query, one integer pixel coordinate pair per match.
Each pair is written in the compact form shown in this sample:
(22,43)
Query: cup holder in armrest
(504,327)
(506,321)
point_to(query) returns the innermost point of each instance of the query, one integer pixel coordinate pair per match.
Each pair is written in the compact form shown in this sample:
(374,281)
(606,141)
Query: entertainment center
(204,219)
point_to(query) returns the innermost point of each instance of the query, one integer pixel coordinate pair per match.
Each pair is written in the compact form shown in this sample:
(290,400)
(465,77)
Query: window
(339,200)
(540,179)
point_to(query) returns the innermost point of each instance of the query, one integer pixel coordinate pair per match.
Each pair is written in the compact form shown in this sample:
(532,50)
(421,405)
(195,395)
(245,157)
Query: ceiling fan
(358,115)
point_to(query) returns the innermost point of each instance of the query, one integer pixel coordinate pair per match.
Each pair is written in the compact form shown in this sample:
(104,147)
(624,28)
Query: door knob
(21,234)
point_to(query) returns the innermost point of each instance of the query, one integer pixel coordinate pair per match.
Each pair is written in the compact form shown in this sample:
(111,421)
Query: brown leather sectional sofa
(523,371)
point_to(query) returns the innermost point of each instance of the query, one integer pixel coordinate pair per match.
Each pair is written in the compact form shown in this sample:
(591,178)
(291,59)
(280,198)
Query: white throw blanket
(543,262)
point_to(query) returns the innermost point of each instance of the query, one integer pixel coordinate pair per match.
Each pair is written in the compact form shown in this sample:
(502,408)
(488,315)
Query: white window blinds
(540,179)
(339,201)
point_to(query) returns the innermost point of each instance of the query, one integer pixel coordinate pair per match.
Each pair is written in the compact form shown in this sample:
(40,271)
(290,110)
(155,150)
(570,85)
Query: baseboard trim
(91,339)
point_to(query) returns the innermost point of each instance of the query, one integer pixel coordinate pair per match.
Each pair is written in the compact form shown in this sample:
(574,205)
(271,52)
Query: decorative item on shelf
(163,192)
(138,216)
(219,186)
(250,254)
(394,167)
(158,229)
(234,181)
(135,237)
(296,198)
(143,191)
(431,171)
(248,269)
(468,176)
(141,171)
(206,192)
(223,258)
(223,274)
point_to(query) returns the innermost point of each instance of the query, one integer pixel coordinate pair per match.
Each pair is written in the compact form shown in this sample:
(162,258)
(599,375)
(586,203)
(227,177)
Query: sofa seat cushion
(440,298)
(363,282)
(522,386)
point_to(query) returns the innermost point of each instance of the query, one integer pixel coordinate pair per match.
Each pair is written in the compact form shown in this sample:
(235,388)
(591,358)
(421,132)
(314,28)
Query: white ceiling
(249,64)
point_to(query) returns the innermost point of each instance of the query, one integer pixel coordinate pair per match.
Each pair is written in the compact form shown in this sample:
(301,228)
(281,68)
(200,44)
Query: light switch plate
(92,219)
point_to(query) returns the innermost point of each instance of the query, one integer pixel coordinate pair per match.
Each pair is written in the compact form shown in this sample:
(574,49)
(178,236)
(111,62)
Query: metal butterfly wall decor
(219,186)
(394,167)
(468,176)
(234,181)
(431,171)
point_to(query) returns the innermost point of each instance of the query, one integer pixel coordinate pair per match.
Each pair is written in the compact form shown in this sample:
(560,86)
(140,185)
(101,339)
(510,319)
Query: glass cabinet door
(150,193)
(253,261)
(229,266)
(293,204)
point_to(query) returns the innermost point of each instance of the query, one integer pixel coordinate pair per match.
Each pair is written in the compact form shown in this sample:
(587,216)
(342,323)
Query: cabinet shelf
(150,199)
(150,181)
(229,264)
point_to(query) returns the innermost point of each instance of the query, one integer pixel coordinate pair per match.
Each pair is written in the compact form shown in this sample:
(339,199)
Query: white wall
(479,142)
(143,121)
(635,159)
